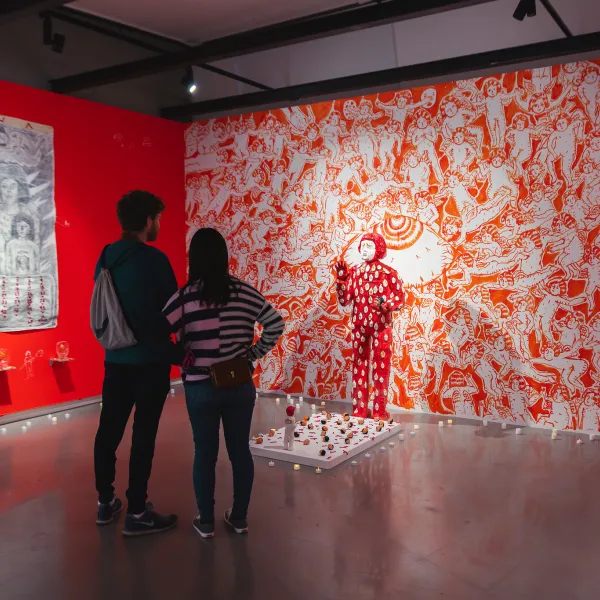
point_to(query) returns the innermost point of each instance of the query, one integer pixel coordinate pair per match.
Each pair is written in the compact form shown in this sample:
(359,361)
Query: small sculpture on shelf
(62,353)
(5,360)
(290,425)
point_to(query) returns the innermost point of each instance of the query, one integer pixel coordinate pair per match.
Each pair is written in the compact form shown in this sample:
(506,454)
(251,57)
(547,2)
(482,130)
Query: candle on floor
(412,434)
(3,430)
(441,424)
(277,400)
(485,422)
(592,437)
(392,444)
(555,435)
(580,441)
(29,423)
(317,470)
(24,429)
(450,421)
(67,416)
(416,427)
(172,392)
(271,464)
(518,431)
(367,455)
(401,437)
(354,462)
(503,425)
(301,398)
(323,404)
(49,417)
(296,467)
(289,397)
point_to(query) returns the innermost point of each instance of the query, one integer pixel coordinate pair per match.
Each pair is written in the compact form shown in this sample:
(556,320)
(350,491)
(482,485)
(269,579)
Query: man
(137,375)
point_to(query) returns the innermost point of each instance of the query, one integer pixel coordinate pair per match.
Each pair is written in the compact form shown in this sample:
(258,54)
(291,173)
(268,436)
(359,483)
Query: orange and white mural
(487,193)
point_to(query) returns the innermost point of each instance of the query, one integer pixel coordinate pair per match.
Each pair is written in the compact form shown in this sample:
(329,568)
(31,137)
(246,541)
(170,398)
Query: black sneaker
(238,525)
(205,530)
(107,513)
(149,522)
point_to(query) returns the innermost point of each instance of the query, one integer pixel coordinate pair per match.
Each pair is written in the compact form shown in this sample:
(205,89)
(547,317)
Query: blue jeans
(207,406)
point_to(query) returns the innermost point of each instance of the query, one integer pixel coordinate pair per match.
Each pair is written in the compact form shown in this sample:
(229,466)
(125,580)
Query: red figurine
(375,290)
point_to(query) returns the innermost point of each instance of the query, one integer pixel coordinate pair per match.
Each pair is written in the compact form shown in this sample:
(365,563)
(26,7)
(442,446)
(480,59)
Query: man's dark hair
(134,208)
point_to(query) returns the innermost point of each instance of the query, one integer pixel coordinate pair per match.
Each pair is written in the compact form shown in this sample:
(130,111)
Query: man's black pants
(125,386)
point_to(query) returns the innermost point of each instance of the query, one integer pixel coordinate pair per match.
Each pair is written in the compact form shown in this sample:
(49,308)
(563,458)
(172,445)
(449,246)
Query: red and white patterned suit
(375,290)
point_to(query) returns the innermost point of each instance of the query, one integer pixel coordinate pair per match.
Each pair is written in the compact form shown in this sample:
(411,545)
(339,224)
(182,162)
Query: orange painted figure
(375,290)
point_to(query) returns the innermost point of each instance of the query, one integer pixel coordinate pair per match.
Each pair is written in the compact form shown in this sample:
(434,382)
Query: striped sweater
(215,334)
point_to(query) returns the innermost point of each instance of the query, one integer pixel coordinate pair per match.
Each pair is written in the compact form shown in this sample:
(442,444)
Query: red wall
(100,153)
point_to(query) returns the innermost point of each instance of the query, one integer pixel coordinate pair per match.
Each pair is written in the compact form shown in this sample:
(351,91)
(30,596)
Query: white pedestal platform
(272,447)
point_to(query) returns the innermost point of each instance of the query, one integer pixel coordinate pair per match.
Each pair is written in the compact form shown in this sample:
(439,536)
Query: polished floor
(459,513)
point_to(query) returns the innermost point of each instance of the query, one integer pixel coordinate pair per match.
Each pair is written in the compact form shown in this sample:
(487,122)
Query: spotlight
(56,41)
(525,8)
(189,82)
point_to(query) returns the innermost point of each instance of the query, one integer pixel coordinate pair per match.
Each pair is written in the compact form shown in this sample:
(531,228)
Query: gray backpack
(109,324)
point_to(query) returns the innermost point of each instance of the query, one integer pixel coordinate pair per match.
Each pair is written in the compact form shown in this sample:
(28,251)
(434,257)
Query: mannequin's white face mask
(367,250)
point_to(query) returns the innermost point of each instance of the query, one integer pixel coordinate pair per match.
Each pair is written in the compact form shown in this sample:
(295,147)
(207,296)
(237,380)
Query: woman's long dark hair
(209,268)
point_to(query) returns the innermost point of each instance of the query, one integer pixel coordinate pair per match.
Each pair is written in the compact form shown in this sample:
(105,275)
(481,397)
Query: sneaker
(149,522)
(238,525)
(205,530)
(107,513)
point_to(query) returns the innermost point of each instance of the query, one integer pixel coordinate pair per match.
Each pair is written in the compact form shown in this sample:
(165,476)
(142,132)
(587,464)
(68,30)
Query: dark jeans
(125,386)
(207,406)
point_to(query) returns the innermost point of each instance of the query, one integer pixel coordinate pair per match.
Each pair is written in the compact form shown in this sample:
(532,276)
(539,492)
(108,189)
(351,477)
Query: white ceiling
(201,20)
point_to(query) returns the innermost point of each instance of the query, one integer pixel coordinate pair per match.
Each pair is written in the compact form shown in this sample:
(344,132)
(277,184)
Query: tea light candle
(301,398)
(367,455)
(271,464)
(29,423)
(555,435)
(382,449)
(317,470)
(592,437)
(24,429)
(289,397)
(322,403)
(441,424)
(503,425)
(580,441)
(392,444)
(3,431)
(296,467)
(412,434)
(518,431)
(173,392)
(49,417)
(416,427)
(277,400)
(54,420)
(298,406)
(485,422)
(67,416)
(354,462)
(401,437)
(450,421)
(313,407)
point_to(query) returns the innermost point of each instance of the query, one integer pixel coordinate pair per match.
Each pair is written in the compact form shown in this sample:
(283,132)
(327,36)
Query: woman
(219,314)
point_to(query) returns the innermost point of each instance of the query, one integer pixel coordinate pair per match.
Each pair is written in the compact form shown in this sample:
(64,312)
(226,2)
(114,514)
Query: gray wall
(25,60)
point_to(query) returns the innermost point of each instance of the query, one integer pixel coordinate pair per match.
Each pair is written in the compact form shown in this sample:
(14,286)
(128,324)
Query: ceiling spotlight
(525,8)
(56,41)
(189,81)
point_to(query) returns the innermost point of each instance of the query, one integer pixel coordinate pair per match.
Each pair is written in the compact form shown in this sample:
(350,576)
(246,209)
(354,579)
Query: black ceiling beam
(408,75)
(15,9)
(361,16)
(137,37)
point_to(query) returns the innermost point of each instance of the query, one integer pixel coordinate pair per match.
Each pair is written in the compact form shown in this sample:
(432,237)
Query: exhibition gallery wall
(487,193)
(64,163)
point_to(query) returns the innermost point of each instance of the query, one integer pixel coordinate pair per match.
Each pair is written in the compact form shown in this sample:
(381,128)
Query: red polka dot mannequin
(375,290)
